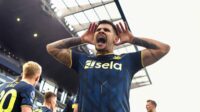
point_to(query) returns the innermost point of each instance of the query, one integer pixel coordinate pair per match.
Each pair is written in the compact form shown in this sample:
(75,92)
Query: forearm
(66,43)
(60,49)
(154,50)
(150,43)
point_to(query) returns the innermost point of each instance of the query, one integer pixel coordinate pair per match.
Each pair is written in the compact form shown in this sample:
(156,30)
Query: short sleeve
(77,60)
(134,61)
(27,96)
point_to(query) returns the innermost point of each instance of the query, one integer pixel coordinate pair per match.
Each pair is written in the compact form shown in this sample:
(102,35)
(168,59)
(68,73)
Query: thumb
(117,43)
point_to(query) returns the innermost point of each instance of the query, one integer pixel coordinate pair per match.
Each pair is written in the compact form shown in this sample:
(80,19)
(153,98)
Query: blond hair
(30,69)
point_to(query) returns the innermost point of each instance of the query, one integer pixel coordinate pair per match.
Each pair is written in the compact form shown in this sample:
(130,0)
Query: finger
(94,27)
(122,27)
(126,26)
(118,43)
(118,29)
(89,29)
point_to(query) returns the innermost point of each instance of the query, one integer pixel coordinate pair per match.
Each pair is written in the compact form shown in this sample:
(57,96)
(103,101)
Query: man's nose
(101,31)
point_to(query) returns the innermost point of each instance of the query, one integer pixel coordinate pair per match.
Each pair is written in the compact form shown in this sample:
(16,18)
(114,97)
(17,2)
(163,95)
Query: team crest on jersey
(117,57)
(32,96)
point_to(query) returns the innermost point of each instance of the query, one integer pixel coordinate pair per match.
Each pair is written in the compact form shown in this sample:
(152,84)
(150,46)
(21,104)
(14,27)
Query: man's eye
(106,30)
(98,29)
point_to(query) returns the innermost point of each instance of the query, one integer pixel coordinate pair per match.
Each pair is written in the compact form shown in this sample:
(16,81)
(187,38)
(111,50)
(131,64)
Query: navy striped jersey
(13,95)
(105,80)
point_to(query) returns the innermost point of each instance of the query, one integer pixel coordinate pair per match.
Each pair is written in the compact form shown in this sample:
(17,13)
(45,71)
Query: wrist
(133,40)
(82,40)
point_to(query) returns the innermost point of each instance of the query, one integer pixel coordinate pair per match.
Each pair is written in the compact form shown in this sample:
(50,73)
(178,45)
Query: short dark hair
(48,96)
(152,102)
(110,23)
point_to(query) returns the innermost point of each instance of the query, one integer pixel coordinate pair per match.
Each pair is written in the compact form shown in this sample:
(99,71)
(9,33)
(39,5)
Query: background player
(18,96)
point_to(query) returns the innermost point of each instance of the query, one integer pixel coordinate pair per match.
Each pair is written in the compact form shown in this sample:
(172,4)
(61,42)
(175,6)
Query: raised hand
(124,34)
(88,36)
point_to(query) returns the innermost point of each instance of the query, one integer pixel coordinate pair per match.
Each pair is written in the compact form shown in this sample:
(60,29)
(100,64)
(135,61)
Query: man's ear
(37,78)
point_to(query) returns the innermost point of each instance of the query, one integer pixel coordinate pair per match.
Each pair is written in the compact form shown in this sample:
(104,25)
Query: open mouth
(101,39)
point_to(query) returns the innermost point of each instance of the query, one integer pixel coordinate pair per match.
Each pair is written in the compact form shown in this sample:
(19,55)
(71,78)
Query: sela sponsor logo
(99,65)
